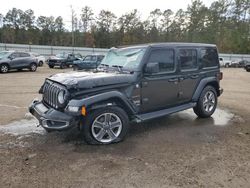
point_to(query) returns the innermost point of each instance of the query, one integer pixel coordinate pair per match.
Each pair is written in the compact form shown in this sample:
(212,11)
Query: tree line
(225,23)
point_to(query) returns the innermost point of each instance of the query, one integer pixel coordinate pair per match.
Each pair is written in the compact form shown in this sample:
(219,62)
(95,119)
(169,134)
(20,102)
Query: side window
(24,55)
(209,57)
(188,59)
(165,58)
(93,58)
(87,58)
(15,55)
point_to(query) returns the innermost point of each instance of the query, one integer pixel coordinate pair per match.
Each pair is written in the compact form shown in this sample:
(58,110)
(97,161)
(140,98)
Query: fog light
(73,108)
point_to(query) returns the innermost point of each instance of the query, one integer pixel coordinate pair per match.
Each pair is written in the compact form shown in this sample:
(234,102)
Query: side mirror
(152,68)
(11,57)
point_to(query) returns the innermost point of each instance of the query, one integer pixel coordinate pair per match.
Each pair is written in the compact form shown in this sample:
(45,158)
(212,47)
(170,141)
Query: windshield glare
(4,54)
(127,57)
(61,55)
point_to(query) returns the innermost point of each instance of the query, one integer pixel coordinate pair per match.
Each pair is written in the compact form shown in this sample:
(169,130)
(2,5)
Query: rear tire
(4,68)
(75,67)
(51,66)
(207,103)
(105,126)
(40,63)
(33,67)
(63,66)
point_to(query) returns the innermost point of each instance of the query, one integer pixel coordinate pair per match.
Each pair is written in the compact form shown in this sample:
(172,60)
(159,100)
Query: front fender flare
(87,102)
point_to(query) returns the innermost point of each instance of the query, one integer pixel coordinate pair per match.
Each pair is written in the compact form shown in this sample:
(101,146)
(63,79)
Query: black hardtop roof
(172,44)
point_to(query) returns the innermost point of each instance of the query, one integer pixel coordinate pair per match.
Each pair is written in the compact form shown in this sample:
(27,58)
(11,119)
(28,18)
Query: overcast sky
(62,7)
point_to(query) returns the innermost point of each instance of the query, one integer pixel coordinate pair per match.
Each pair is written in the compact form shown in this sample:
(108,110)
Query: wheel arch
(211,81)
(113,101)
(106,99)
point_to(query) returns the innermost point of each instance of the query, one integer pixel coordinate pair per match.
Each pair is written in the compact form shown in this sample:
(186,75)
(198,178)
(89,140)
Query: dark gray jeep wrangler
(137,84)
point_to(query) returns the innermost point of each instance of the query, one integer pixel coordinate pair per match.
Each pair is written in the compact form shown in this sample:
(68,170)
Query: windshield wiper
(119,68)
(105,65)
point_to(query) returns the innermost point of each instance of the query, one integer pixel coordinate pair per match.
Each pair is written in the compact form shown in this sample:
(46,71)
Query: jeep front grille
(50,93)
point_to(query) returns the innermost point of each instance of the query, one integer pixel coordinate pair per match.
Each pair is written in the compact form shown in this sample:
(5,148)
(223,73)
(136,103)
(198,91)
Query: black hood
(92,79)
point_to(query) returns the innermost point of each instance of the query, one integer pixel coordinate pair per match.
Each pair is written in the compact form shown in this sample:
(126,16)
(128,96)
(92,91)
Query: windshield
(127,57)
(61,55)
(4,54)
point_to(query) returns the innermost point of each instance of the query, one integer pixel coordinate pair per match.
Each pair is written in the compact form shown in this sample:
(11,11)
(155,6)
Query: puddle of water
(28,126)
(22,127)
(220,117)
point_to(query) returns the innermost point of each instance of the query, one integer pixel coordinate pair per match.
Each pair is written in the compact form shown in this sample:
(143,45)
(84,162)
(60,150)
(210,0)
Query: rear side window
(165,58)
(188,59)
(24,55)
(209,57)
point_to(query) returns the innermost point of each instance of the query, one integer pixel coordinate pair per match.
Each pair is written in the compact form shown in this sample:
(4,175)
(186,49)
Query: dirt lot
(176,151)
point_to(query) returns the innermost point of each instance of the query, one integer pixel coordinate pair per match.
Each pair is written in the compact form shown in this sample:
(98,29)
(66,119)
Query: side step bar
(151,115)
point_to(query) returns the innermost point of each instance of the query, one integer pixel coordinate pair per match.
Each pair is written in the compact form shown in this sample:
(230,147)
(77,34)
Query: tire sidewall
(33,65)
(88,121)
(2,66)
(200,106)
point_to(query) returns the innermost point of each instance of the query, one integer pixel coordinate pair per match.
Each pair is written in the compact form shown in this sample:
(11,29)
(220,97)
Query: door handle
(194,76)
(182,78)
(173,80)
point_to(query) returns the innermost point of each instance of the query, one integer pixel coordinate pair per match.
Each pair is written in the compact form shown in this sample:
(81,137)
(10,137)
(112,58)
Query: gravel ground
(175,151)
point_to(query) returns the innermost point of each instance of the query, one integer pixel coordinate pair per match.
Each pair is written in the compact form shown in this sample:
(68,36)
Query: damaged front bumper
(51,119)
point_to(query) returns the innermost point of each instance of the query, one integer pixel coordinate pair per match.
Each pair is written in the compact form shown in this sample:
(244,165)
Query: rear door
(189,74)
(24,59)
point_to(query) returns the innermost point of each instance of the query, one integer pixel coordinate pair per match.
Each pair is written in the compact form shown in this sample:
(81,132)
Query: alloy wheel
(209,101)
(4,68)
(106,127)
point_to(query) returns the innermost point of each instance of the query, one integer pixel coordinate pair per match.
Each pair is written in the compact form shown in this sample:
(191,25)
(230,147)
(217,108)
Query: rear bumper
(50,118)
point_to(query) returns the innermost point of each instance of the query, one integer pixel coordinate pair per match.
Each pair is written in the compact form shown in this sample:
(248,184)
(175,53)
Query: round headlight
(61,97)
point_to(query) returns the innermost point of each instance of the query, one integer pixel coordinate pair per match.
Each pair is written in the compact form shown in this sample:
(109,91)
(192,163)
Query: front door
(160,90)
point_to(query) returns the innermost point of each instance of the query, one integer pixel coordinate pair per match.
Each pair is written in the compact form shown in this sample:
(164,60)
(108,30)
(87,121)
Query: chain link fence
(52,50)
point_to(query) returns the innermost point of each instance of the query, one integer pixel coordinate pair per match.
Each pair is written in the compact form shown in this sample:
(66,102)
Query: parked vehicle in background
(17,60)
(239,63)
(235,63)
(227,63)
(135,84)
(63,60)
(222,64)
(88,62)
(247,66)
(41,59)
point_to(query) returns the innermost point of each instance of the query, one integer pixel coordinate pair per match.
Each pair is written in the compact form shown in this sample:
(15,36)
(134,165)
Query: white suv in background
(40,59)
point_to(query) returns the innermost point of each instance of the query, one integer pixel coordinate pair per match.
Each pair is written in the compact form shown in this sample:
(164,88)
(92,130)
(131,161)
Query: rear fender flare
(203,83)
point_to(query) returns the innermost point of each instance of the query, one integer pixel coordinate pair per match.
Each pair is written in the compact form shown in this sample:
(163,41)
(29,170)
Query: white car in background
(40,59)
(225,63)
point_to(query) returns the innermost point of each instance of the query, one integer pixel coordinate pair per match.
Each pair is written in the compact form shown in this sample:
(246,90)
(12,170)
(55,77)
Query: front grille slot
(50,93)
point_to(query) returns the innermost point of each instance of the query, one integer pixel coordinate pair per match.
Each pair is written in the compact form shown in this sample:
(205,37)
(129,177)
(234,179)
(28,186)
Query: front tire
(4,68)
(51,66)
(105,126)
(207,103)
